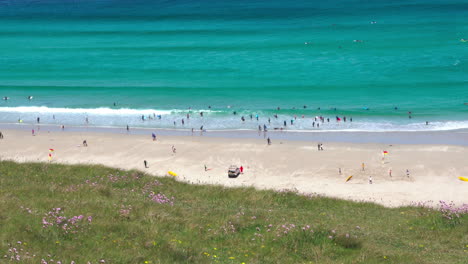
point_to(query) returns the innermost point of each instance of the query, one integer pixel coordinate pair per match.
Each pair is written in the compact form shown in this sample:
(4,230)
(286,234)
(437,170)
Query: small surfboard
(463,179)
(349,178)
(172,173)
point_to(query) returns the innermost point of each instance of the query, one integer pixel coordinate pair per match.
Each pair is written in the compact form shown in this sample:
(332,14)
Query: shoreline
(286,164)
(448,137)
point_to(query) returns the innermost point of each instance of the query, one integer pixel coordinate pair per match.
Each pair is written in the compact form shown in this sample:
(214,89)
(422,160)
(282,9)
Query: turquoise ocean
(374,61)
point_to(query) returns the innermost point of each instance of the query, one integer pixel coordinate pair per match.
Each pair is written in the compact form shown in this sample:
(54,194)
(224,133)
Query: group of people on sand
(371,181)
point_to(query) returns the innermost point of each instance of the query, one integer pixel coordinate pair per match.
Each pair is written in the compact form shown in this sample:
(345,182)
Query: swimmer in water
(30,97)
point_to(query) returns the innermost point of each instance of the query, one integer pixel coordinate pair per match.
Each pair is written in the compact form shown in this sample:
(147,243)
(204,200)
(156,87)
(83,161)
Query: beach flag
(50,157)
(385,152)
(51,150)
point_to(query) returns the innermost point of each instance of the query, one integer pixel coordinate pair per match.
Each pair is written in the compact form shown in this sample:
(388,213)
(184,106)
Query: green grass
(207,224)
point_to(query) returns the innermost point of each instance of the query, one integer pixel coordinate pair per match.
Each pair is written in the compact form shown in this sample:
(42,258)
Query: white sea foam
(213,120)
(93,111)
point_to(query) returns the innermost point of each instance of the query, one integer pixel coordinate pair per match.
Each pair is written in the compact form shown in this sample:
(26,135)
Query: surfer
(6,98)
(30,97)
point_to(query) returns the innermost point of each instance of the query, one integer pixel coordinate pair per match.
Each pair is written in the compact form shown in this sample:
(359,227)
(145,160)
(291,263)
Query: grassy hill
(66,214)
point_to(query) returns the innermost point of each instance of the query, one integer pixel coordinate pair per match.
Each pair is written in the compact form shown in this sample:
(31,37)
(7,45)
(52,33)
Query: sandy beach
(295,165)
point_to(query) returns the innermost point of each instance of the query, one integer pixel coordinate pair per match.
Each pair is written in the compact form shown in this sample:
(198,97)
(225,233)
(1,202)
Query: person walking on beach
(128,128)
(339,171)
(1,135)
(32,132)
(370,179)
(173,149)
(241,169)
(206,168)
(145,163)
(268,141)
(390,173)
(85,143)
(38,120)
(407,173)
(154,136)
(363,166)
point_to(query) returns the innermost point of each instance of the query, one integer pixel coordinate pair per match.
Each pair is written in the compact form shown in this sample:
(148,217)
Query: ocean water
(358,59)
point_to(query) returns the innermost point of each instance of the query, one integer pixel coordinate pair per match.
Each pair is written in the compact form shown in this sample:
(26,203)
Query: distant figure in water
(128,128)
(38,119)
(427,123)
(30,97)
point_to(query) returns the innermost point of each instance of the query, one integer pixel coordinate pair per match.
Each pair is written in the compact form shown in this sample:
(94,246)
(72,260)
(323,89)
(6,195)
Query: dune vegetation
(93,214)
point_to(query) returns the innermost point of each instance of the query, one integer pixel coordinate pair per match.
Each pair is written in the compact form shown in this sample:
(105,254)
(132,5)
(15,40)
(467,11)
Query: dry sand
(434,169)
